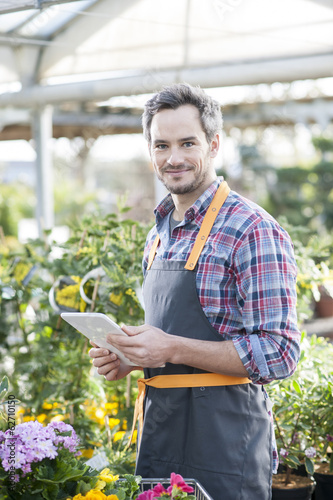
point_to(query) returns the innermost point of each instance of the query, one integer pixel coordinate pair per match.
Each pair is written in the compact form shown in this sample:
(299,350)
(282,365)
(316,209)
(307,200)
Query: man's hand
(108,363)
(145,345)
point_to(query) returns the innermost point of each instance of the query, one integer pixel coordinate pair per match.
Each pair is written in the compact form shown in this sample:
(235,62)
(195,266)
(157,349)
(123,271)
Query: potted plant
(324,297)
(302,417)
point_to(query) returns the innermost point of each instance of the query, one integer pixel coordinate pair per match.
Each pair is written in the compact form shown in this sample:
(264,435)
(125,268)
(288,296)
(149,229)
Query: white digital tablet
(96,326)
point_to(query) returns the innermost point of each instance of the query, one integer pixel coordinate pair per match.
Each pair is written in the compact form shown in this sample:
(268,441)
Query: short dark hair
(180,94)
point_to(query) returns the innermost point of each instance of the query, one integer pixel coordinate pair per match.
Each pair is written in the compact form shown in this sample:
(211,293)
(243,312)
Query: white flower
(310,452)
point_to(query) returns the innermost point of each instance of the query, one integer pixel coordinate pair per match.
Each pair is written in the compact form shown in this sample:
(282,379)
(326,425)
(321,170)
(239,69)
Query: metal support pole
(42,130)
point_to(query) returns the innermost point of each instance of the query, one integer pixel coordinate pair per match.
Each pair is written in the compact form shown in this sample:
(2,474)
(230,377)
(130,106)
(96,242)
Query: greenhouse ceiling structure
(63,56)
(134,46)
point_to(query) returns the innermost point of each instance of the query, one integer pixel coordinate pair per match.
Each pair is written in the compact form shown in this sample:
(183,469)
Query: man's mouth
(175,172)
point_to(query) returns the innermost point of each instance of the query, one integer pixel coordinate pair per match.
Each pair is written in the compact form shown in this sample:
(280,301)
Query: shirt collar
(199,206)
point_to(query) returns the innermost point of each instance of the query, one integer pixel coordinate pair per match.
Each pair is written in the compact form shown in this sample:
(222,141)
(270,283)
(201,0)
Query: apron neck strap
(206,226)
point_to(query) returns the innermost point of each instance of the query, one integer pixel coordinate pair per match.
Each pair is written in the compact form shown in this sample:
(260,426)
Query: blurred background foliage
(44,358)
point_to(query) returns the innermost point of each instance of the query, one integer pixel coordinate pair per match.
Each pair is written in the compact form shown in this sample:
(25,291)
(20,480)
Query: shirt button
(202,388)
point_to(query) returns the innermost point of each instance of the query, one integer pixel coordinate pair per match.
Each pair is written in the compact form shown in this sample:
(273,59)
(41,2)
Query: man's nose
(176,157)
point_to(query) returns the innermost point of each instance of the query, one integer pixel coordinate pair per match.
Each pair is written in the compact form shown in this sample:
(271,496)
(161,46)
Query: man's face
(180,152)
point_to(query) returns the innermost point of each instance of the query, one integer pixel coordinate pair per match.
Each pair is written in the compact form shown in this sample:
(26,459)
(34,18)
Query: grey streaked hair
(180,94)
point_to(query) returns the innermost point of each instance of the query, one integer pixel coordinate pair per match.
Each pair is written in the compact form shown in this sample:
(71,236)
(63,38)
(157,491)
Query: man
(220,299)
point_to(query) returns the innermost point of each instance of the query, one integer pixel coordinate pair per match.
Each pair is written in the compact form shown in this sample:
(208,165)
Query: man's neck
(184,201)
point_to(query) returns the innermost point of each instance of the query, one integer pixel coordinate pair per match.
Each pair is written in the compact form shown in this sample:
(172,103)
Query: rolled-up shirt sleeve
(265,271)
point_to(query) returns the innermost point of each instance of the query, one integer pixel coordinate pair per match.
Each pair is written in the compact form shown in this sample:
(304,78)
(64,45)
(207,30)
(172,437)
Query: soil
(296,481)
(323,468)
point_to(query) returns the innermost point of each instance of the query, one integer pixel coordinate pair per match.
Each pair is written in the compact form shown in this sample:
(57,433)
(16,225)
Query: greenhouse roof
(56,51)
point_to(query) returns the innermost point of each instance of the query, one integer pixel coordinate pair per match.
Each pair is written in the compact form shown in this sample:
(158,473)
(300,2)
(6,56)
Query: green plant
(46,359)
(313,254)
(303,407)
(42,463)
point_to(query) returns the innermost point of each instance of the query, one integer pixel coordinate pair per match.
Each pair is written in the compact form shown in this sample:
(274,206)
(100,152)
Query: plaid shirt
(246,279)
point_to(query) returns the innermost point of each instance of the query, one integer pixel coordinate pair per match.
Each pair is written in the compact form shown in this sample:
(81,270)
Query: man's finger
(98,352)
(133,330)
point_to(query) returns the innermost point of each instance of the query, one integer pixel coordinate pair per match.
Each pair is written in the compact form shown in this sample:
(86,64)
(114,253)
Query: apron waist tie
(176,381)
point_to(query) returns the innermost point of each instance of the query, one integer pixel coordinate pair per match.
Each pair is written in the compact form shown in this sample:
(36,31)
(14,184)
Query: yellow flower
(28,419)
(116,298)
(41,417)
(77,497)
(21,271)
(58,418)
(69,296)
(47,406)
(88,453)
(112,497)
(113,422)
(95,495)
(100,485)
(111,406)
(119,435)
(107,476)
(100,414)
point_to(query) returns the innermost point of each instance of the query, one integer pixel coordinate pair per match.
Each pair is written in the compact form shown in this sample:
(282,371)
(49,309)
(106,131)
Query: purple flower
(329,437)
(310,452)
(32,442)
(284,453)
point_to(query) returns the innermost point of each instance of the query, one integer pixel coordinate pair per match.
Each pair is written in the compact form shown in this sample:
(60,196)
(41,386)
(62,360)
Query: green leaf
(297,387)
(51,492)
(293,460)
(4,384)
(309,466)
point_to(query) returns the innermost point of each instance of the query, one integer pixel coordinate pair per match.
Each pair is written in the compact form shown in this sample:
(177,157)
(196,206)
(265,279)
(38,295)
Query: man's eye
(161,146)
(188,144)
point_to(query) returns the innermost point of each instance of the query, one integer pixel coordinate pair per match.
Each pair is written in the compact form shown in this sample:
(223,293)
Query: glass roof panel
(50,20)
(9,22)
(16,5)
(92,38)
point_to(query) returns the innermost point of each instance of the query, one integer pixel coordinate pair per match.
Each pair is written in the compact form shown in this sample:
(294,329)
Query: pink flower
(158,490)
(178,481)
(146,495)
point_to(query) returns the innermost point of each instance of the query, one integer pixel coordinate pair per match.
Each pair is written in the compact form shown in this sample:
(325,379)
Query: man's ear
(215,146)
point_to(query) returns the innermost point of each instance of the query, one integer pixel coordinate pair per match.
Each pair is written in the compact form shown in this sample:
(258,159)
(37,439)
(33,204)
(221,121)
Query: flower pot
(297,490)
(324,486)
(324,307)
(304,493)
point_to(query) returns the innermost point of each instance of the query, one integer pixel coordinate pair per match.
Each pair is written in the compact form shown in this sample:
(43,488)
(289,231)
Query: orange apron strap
(176,381)
(153,251)
(207,224)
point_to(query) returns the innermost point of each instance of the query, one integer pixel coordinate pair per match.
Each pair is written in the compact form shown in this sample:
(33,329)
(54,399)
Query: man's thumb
(131,330)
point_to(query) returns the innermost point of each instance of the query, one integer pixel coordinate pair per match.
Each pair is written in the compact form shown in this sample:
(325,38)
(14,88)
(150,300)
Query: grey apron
(220,436)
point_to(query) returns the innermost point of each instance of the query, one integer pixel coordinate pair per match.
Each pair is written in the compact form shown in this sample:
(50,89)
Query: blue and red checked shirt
(246,279)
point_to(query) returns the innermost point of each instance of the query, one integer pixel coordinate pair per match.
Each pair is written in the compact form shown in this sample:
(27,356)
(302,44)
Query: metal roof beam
(15,124)
(247,73)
